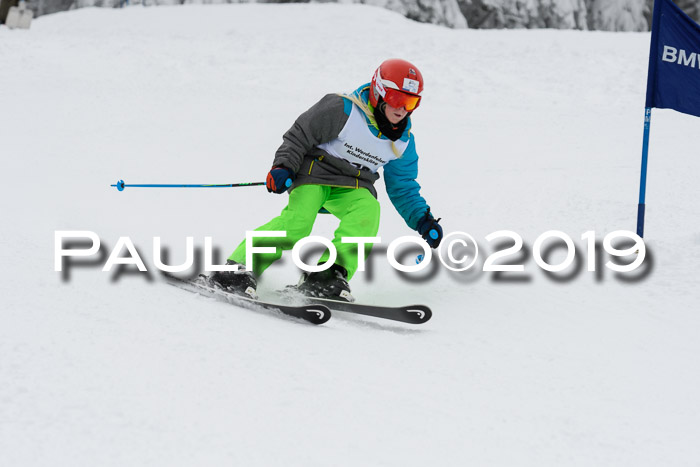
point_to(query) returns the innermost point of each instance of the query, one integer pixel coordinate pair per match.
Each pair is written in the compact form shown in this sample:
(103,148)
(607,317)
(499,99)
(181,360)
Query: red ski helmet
(398,82)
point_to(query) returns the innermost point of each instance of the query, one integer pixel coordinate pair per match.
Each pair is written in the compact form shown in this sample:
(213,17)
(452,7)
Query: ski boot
(241,282)
(330,284)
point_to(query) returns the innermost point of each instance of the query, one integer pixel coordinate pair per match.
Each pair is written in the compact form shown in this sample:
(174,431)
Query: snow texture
(443,12)
(606,15)
(628,15)
(526,130)
(559,14)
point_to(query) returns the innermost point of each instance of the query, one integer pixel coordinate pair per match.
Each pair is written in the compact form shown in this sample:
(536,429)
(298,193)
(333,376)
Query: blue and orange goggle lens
(400,99)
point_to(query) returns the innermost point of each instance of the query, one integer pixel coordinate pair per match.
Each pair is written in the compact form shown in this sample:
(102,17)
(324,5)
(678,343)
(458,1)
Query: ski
(315,313)
(412,314)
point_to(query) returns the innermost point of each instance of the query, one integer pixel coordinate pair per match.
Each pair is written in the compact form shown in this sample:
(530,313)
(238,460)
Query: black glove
(279,179)
(430,230)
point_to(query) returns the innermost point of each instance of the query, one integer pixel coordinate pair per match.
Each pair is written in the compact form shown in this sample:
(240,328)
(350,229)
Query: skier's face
(393,114)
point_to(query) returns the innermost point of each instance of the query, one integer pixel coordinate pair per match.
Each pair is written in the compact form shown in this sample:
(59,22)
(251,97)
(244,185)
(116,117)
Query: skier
(328,162)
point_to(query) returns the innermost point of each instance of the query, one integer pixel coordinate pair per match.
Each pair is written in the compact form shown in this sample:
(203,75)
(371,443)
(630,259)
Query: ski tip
(318,314)
(419,313)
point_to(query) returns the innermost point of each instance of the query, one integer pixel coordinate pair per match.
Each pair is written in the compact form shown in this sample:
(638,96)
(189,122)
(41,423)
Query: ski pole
(120,185)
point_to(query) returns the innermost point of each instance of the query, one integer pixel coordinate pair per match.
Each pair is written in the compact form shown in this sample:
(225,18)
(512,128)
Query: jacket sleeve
(323,122)
(402,187)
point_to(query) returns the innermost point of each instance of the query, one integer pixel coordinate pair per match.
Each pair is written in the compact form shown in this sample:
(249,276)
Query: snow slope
(522,130)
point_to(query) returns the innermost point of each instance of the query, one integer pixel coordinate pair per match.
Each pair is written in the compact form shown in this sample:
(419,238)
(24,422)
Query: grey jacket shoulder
(322,123)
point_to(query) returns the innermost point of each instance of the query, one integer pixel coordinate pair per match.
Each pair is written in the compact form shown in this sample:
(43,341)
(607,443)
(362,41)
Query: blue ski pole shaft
(120,185)
(641,207)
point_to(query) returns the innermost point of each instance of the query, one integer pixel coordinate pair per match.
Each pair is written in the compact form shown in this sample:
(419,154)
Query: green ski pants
(356,208)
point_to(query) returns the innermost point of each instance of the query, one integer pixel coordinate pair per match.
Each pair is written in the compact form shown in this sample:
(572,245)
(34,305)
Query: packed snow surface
(528,131)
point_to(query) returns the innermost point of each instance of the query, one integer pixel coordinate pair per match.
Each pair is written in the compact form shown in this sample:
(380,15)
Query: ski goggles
(400,99)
